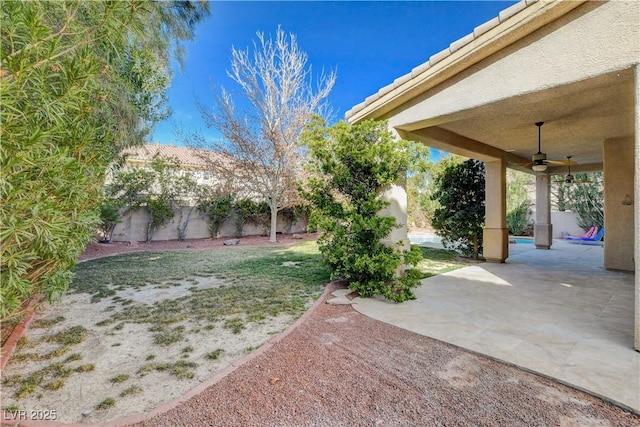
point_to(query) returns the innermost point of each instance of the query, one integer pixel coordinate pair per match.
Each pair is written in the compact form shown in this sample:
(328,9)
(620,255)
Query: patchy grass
(46,323)
(73,357)
(12,408)
(65,339)
(106,404)
(166,337)
(247,267)
(23,342)
(70,336)
(134,389)
(50,377)
(256,286)
(439,261)
(236,325)
(213,355)
(120,378)
(181,369)
(56,384)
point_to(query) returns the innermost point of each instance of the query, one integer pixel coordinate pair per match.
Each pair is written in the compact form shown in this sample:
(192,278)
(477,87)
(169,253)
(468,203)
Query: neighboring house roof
(145,154)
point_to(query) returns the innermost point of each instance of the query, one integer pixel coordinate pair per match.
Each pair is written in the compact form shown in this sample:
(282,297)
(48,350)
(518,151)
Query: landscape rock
(291,264)
(231,242)
(342,292)
(339,301)
(341,297)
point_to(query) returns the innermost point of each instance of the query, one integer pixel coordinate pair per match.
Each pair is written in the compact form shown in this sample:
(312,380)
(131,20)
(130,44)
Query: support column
(636,205)
(495,236)
(618,162)
(543,230)
(396,195)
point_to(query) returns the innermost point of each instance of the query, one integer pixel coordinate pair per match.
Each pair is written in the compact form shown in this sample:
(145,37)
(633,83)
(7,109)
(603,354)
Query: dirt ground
(125,351)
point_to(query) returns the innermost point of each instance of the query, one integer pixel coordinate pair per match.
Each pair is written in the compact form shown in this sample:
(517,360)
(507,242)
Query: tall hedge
(79,81)
(351,167)
(460,191)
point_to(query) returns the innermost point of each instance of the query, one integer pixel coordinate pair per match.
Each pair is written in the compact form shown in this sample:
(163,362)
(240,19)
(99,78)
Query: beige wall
(565,223)
(618,218)
(134,227)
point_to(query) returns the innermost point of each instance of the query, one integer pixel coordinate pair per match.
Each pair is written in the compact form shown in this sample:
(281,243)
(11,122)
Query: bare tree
(262,138)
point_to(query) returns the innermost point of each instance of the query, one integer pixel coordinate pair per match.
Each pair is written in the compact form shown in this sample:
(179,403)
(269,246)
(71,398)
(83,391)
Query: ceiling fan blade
(524,163)
(561,162)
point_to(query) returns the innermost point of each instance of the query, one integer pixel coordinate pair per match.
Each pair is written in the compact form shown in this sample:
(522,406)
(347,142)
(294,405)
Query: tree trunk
(475,246)
(149,231)
(274,221)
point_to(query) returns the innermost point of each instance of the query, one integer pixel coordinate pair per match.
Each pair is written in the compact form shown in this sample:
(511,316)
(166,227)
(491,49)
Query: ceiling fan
(539,161)
(568,178)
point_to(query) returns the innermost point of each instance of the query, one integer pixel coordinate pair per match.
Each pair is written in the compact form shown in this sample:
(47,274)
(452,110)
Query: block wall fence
(134,226)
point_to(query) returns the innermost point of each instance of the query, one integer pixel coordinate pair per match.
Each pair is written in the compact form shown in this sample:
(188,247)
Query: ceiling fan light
(539,167)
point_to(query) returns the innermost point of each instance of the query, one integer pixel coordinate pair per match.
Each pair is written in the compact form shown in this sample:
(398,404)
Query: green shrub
(460,218)
(518,219)
(109,218)
(351,166)
(217,208)
(587,200)
(249,211)
(293,214)
(81,81)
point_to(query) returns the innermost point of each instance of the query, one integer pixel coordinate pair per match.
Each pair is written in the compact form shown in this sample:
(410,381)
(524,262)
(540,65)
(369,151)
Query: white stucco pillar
(396,195)
(636,205)
(543,230)
(495,236)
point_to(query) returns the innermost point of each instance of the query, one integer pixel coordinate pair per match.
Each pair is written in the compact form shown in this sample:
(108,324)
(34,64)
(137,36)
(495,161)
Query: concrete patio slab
(556,312)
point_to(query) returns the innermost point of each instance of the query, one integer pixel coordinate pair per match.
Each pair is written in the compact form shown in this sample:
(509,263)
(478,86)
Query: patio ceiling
(578,118)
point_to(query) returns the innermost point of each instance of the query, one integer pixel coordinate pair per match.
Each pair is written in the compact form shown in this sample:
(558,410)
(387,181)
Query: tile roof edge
(439,56)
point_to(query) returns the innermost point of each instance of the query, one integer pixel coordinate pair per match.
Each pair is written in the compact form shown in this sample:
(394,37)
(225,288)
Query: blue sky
(370,44)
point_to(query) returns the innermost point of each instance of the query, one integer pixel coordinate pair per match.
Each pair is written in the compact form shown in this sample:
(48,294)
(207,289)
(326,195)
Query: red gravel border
(9,346)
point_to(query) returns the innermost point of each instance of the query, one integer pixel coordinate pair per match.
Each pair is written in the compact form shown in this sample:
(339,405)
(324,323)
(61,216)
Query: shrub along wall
(134,226)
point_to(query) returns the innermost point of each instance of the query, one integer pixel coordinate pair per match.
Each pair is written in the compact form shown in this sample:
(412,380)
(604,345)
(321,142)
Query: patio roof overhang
(482,96)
